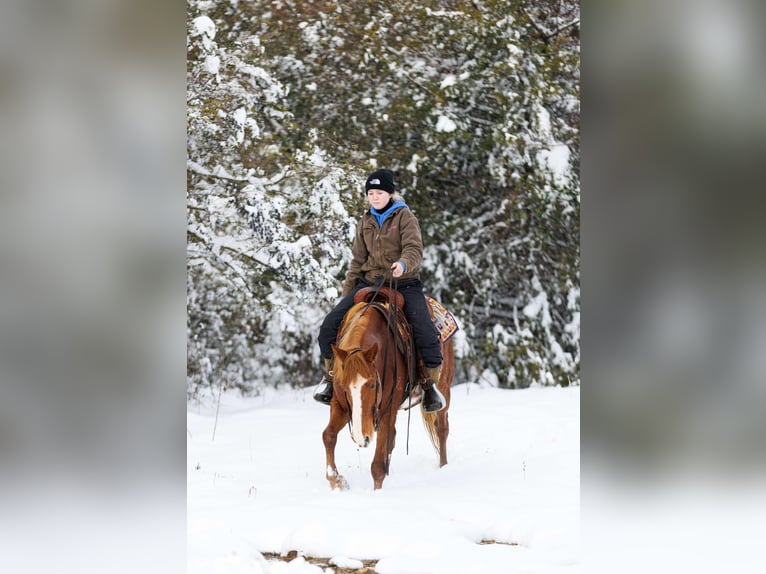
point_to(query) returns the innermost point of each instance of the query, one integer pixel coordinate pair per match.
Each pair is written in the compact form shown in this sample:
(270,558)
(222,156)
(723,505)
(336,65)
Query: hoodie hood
(388,210)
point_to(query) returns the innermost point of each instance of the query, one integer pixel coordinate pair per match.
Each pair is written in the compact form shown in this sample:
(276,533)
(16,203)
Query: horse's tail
(429,420)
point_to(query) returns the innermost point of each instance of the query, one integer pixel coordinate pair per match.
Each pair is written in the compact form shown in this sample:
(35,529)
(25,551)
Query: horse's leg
(392,444)
(330,437)
(445,386)
(442,431)
(380,460)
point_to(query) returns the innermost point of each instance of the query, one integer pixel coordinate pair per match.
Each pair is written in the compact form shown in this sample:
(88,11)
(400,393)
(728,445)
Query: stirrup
(413,398)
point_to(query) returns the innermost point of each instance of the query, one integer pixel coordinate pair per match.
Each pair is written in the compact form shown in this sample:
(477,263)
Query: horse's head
(357,386)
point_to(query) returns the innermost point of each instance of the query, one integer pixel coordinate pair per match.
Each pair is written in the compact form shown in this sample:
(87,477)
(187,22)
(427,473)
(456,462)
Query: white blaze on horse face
(357,432)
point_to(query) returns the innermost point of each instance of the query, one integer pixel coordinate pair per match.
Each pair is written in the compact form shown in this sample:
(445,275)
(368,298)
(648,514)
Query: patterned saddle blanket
(443,320)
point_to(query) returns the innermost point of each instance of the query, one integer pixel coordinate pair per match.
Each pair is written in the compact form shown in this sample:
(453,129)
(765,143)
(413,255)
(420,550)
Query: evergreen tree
(475,105)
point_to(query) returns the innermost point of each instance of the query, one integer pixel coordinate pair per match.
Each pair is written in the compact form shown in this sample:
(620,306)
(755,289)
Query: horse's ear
(370,353)
(339,353)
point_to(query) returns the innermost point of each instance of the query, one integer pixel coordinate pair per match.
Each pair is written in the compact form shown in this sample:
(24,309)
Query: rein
(393,323)
(392,320)
(410,374)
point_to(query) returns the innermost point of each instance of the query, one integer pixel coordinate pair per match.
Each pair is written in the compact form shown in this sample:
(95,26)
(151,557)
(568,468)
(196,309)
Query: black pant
(415,309)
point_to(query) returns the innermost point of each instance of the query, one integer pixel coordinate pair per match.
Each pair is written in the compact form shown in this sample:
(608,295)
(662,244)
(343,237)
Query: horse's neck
(375,324)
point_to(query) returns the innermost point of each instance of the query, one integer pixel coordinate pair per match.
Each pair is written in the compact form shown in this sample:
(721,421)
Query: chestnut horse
(369,385)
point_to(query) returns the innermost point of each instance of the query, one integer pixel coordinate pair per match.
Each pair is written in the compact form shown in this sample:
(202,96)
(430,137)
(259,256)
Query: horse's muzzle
(362,441)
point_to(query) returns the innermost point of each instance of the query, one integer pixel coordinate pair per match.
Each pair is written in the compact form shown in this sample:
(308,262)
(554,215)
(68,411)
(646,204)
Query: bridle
(378,391)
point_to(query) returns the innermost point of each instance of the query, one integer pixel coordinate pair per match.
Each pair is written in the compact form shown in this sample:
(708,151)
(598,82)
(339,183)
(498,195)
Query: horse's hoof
(337,482)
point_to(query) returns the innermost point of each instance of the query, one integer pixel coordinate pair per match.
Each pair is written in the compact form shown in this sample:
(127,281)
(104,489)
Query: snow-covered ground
(513,478)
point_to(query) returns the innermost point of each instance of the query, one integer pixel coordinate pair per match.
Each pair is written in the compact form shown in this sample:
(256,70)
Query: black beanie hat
(380,179)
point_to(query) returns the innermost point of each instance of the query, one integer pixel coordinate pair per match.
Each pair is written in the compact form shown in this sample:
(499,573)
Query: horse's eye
(371,386)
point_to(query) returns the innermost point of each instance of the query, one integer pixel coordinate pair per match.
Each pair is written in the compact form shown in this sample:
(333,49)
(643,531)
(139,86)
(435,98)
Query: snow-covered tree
(267,227)
(475,105)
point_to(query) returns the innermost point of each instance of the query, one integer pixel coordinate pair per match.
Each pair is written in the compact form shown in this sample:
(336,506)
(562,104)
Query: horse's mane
(351,338)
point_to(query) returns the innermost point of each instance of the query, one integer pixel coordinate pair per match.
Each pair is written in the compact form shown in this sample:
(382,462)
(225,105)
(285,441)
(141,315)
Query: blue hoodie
(381,217)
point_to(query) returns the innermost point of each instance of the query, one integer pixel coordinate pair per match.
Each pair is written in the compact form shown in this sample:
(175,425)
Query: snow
(256,484)
(412,167)
(343,562)
(240,117)
(449,80)
(540,302)
(444,124)
(556,156)
(212,64)
(202,26)
(311,33)
(556,160)
(448,13)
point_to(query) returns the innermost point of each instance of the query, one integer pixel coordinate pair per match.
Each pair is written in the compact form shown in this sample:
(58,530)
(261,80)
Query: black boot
(323,392)
(433,400)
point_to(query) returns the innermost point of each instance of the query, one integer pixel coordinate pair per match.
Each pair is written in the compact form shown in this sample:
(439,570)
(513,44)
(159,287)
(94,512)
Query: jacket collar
(381,217)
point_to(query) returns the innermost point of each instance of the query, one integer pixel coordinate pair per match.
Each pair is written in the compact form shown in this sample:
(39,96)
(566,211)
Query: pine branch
(199,170)
(560,30)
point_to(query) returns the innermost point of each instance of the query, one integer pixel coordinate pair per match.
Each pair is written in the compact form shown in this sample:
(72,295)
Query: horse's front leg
(383,447)
(330,437)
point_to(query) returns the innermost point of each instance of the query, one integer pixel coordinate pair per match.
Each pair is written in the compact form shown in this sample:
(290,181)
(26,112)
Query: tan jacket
(376,249)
